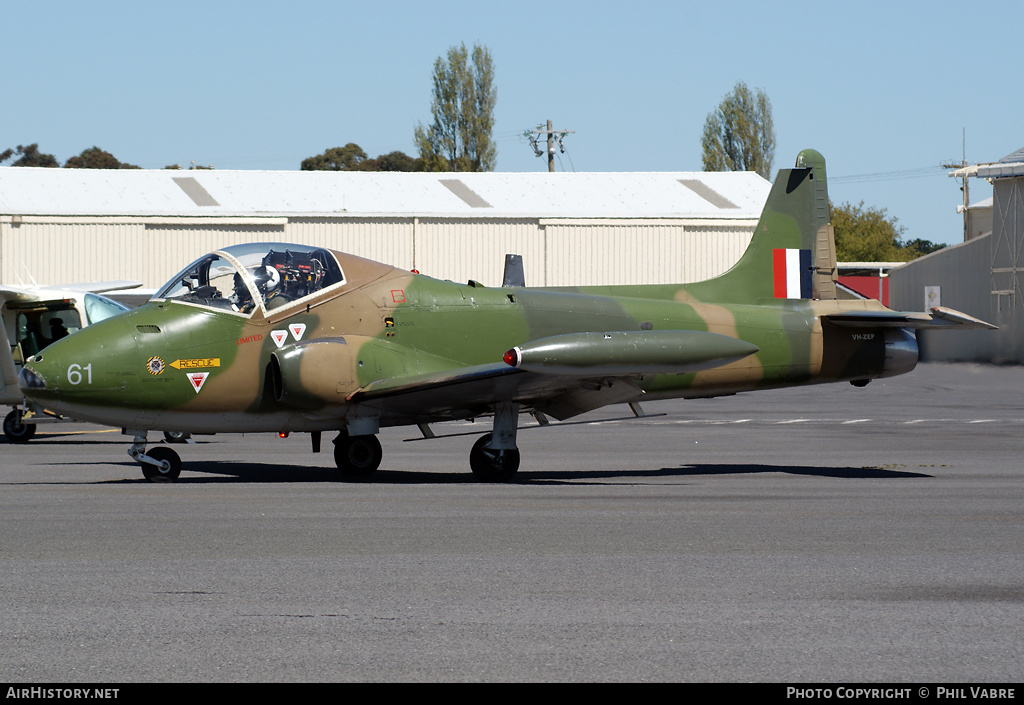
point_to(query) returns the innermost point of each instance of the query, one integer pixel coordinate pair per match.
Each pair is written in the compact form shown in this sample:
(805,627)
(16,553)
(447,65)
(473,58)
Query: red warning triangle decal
(197,379)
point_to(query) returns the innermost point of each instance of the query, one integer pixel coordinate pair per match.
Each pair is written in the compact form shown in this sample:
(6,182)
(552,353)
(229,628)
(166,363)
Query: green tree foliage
(29,156)
(925,247)
(345,158)
(739,135)
(459,139)
(351,157)
(96,158)
(867,235)
(392,161)
(92,158)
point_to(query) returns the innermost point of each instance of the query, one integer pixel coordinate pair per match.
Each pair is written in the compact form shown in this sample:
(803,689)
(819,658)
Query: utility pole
(964,173)
(552,135)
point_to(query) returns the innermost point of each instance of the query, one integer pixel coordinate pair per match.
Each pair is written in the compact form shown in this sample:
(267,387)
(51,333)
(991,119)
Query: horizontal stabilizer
(628,353)
(937,318)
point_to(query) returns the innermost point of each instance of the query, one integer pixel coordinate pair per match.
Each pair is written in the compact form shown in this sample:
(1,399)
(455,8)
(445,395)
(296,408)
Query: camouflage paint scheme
(390,347)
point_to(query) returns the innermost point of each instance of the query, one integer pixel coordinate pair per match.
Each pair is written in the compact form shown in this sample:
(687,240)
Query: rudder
(792,252)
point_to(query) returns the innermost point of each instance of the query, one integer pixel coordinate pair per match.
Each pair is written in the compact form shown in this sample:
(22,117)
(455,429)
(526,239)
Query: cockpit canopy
(242,278)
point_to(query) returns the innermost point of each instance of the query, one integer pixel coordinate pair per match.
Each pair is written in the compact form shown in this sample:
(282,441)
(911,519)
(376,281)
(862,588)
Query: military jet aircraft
(34,316)
(288,338)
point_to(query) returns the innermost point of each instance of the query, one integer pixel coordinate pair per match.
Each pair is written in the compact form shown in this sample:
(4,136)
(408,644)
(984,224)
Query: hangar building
(75,225)
(981,276)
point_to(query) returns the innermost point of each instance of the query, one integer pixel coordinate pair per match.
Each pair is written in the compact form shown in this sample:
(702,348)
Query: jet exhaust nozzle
(901,353)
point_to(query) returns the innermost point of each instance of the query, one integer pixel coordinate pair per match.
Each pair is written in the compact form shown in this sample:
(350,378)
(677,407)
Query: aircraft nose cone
(30,381)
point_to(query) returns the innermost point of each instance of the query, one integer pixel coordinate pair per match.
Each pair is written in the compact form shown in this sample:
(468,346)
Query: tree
(29,156)
(392,161)
(96,158)
(925,247)
(739,135)
(351,157)
(345,158)
(463,108)
(867,235)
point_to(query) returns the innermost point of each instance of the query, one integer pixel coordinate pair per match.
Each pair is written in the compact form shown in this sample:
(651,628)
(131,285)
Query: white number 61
(75,374)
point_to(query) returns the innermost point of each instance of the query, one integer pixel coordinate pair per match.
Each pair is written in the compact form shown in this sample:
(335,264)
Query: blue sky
(885,90)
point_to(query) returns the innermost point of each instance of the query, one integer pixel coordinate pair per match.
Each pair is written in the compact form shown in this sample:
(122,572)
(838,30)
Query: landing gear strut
(495,457)
(357,456)
(159,465)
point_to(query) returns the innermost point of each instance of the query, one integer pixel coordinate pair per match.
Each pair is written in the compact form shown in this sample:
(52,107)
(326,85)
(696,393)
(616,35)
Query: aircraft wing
(473,391)
(937,317)
(45,293)
(101,287)
(562,376)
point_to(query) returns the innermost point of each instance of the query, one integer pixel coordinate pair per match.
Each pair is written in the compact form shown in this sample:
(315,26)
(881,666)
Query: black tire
(493,465)
(357,456)
(15,430)
(155,473)
(176,436)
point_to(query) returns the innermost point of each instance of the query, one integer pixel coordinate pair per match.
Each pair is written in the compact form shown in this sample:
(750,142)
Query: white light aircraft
(33,317)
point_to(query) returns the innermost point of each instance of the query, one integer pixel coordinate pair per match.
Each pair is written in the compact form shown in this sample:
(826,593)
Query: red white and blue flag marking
(792,273)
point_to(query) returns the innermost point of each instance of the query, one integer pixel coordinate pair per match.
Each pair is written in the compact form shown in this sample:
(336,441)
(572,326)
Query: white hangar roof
(139,192)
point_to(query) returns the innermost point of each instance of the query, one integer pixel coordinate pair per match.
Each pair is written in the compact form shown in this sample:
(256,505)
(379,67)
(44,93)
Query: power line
(898,175)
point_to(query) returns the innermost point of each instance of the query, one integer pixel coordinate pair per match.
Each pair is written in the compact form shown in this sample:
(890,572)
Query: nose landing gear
(161,464)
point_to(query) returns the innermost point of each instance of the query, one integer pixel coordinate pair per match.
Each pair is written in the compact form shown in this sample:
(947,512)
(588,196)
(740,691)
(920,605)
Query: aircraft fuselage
(175,365)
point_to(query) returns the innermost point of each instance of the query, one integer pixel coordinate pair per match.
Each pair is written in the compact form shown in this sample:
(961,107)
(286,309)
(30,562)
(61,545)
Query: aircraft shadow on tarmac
(234,471)
(64,438)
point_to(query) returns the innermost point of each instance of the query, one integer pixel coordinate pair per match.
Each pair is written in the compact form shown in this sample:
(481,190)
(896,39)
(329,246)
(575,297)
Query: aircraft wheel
(172,468)
(15,430)
(176,436)
(493,465)
(357,456)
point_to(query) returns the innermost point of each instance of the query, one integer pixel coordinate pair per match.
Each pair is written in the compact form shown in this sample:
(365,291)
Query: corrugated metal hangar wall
(555,252)
(981,277)
(58,226)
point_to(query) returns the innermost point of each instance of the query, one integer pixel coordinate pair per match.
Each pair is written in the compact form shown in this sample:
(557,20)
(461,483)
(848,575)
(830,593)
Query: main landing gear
(495,457)
(493,464)
(357,456)
(161,464)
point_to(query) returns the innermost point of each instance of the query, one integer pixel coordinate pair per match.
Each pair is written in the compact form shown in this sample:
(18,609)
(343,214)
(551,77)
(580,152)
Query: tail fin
(792,252)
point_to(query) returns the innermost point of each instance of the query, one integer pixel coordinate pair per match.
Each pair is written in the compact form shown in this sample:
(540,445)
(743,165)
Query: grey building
(981,277)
